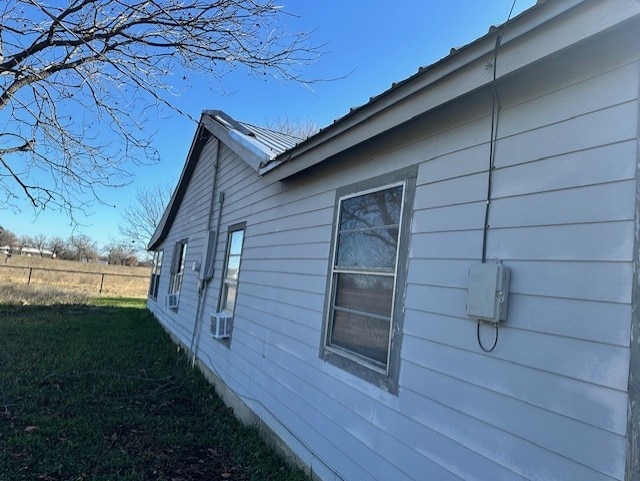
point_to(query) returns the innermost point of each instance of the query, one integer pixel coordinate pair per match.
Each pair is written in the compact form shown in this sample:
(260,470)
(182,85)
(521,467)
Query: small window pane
(366,293)
(373,248)
(374,209)
(158,262)
(229,298)
(233,267)
(183,257)
(362,335)
(177,266)
(236,242)
(231,271)
(178,285)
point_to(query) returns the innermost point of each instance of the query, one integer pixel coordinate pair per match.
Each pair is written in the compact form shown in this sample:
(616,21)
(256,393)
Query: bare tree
(8,241)
(58,246)
(295,127)
(7,238)
(39,241)
(83,248)
(73,74)
(121,253)
(142,215)
(25,241)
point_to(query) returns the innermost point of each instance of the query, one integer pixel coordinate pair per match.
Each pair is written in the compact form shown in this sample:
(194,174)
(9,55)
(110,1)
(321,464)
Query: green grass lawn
(98,391)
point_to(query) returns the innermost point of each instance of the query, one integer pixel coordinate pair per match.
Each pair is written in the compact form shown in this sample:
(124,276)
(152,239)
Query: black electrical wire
(495,118)
(495,341)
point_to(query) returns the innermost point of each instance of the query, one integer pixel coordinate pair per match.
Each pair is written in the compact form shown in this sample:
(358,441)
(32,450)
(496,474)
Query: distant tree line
(79,248)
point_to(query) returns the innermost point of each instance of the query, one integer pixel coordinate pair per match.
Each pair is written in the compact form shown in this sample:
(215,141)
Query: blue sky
(369,45)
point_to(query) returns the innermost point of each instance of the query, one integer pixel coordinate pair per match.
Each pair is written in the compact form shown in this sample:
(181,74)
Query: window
(177,266)
(156,267)
(229,289)
(362,329)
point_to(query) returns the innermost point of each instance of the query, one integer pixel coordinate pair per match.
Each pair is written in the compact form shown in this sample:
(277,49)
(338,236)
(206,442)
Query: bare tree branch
(292,126)
(141,217)
(75,74)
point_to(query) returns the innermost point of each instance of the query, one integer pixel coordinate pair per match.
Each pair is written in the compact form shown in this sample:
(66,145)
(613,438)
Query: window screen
(364,272)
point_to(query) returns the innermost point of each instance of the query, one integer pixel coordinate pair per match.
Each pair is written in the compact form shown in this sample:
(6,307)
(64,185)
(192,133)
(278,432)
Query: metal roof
(286,156)
(276,142)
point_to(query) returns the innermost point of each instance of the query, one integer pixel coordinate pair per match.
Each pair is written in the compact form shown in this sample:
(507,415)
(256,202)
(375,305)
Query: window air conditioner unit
(172,300)
(221,323)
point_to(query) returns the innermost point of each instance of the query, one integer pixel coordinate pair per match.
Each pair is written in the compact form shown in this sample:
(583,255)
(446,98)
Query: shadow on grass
(98,391)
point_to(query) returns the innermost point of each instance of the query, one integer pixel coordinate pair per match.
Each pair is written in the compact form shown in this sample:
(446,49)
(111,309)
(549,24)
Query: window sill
(360,368)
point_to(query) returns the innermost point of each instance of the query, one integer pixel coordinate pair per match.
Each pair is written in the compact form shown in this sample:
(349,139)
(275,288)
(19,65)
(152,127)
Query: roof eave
(236,136)
(199,140)
(465,70)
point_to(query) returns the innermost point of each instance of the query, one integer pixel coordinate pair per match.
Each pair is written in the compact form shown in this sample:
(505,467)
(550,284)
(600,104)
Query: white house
(36,252)
(324,285)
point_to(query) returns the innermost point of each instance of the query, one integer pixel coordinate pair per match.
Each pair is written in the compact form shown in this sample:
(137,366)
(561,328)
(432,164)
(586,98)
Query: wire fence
(107,283)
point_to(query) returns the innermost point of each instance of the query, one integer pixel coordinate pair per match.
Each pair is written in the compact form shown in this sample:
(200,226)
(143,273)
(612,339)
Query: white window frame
(156,270)
(178,266)
(336,270)
(227,281)
(382,374)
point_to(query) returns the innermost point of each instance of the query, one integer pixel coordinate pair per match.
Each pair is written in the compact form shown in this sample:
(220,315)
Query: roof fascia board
(229,132)
(198,142)
(247,149)
(457,75)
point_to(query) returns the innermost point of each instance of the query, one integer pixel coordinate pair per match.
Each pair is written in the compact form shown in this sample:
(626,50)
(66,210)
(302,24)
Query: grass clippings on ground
(98,391)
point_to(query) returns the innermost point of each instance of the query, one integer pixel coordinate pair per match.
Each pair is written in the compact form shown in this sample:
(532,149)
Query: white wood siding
(562,219)
(191,224)
(550,403)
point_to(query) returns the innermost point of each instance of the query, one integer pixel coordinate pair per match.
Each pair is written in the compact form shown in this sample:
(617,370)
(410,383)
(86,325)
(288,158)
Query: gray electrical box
(206,271)
(488,292)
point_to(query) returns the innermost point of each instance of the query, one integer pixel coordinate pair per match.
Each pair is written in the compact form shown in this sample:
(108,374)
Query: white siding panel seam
(295,206)
(545,231)
(279,229)
(279,239)
(301,361)
(573,398)
(609,106)
(570,136)
(418,283)
(608,287)
(586,421)
(249,328)
(543,447)
(559,226)
(611,476)
(498,356)
(506,324)
(566,336)
(594,182)
(286,289)
(482,169)
(572,95)
(507,227)
(281,303)
(280,253)
(256,382)
(342,407)
(299,274)
(242,389)
(614,262)
(346,408)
